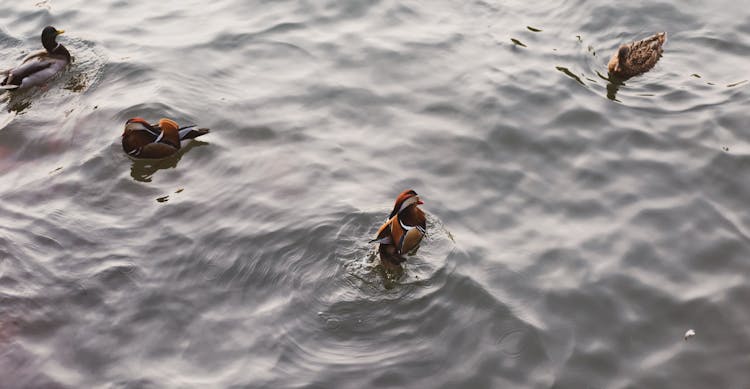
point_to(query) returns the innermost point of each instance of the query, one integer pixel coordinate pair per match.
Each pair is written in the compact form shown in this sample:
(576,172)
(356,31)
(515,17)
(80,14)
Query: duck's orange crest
(165,123)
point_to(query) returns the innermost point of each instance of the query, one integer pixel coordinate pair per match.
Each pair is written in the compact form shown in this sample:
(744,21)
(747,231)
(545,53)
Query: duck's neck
(61,51)
(55,48)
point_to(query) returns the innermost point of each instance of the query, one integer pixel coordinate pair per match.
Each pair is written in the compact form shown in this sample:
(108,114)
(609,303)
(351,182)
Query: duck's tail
(662,36)
(192,132)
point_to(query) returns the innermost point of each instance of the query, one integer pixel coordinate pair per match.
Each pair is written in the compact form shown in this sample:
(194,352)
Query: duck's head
(137,124)
(622,57)
(49,38)
(405,200)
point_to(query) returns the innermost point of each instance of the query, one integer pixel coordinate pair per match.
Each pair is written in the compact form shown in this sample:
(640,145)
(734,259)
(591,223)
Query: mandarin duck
(404,230)
(38,67)
(638,57)
(144,140)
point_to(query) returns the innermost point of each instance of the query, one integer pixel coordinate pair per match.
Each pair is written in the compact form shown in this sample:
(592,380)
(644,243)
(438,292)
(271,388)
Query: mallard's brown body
(638,57)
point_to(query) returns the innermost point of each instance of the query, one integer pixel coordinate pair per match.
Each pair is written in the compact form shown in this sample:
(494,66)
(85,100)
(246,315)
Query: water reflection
(143,169)
(18,102)
(613,85)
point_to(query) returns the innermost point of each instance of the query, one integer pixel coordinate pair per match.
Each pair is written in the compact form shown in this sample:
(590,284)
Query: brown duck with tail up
(638,57)
(404,230)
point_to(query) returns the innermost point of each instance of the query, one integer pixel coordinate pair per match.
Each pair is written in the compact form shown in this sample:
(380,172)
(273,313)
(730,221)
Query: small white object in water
(689,334)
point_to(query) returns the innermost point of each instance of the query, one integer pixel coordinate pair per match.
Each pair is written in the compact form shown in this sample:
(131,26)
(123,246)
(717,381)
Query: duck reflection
(613,86)
(18,102)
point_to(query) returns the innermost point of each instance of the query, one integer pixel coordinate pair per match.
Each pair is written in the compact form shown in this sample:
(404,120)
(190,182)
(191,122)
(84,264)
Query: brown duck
(404,230)
(144,140)
(638,57)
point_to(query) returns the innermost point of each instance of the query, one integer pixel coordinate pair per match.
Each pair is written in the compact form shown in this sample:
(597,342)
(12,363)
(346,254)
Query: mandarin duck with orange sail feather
(144,140)
(404,230)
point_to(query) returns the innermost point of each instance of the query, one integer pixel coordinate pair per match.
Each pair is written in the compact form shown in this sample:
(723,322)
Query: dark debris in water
(696,75)
(532,29)
(179,190)
(517,42)
(570,74)
(736,84)
(725,148)
(163,199)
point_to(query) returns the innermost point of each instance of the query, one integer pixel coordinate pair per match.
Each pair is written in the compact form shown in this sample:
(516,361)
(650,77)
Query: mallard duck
(638,57)
(38,67)
(140,139)
(404,230)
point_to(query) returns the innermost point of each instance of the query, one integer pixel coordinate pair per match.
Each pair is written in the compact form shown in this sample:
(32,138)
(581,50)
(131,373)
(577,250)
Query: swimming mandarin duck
(144,140)
(638,57)
(404,230)
(39,67)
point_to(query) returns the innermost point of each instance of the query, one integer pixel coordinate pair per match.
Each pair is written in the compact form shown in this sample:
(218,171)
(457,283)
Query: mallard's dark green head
(49,38)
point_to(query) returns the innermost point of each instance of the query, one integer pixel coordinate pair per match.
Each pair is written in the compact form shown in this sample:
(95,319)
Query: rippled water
(577,228)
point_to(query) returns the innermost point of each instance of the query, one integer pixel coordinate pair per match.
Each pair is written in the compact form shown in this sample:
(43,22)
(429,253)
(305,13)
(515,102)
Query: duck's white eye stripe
(158,138)
(408,202)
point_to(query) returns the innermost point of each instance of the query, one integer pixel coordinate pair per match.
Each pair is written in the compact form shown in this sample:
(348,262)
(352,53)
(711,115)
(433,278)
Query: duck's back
(645,53)
(641,56)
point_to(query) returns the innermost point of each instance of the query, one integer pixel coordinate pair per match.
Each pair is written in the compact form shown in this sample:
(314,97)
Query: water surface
(577,228)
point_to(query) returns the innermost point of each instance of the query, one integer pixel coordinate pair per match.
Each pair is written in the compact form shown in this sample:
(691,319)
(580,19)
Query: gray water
(577,228)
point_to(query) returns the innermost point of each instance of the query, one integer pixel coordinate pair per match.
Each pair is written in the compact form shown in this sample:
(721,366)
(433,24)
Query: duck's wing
(384,233)
(645,53)
(411,237)
(43,74)
(32,73)
(17,75)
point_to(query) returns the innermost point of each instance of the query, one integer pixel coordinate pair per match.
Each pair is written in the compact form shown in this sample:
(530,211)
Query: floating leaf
(163,199)
(533,29)
(517,42)
(570,74)
(736,84)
